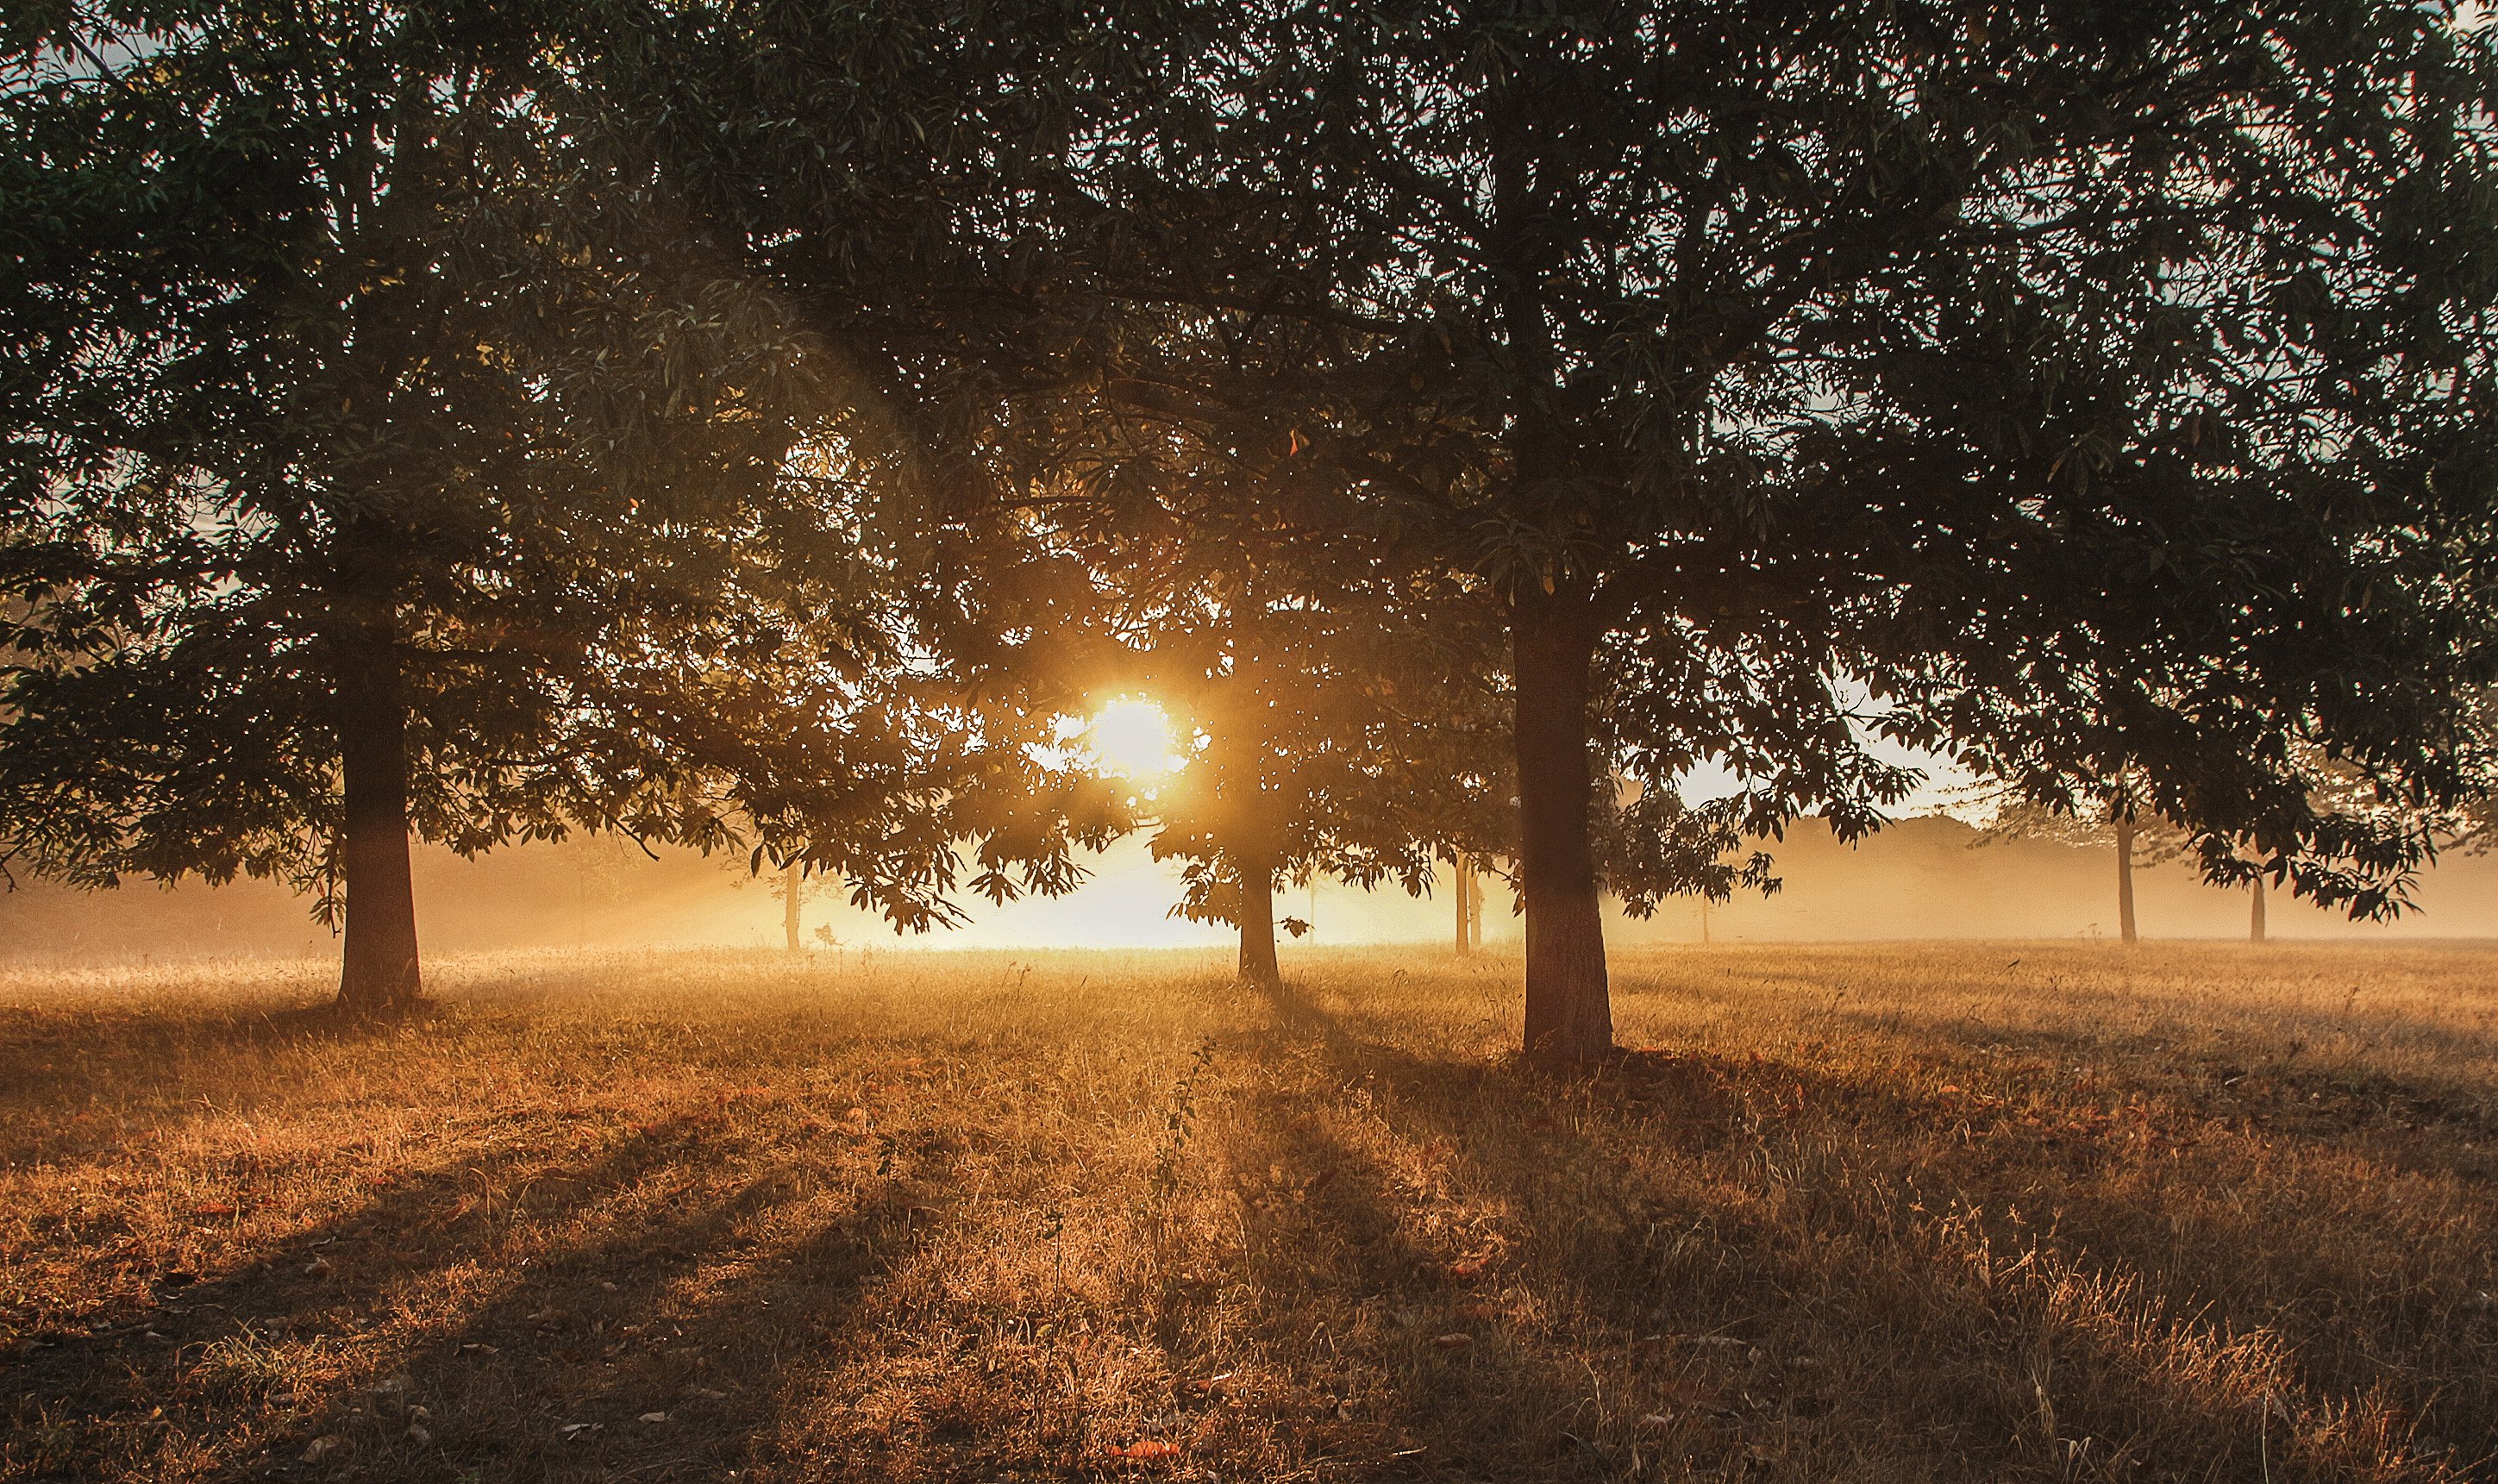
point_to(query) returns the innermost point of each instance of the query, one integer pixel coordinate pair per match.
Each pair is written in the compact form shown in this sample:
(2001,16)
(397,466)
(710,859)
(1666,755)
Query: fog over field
(1924,877)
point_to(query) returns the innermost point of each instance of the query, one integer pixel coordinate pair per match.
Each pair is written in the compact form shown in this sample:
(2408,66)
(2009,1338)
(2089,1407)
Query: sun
(1131,738)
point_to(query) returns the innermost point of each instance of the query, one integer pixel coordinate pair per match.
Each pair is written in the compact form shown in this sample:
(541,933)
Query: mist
(1924,877)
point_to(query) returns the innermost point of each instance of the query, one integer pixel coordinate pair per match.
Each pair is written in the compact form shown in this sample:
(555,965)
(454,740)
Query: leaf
(1144,1449)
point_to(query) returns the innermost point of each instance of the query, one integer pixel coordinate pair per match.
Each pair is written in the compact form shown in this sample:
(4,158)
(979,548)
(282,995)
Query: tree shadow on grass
(406,1339)
(1743,1267)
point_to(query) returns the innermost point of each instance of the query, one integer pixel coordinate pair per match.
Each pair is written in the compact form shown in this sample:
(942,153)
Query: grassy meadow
(1871,1212)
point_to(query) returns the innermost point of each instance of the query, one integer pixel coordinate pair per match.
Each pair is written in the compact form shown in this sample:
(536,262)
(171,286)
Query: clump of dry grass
(1894,1212)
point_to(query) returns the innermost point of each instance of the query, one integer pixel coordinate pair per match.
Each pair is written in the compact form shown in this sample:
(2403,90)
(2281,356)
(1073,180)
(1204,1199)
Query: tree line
(759,425)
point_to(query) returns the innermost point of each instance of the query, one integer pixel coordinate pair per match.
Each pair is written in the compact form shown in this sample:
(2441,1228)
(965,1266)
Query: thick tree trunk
(1257,963)
(2255,914)
(1569,1009)
(2125,879)
(378,973)
(789,906)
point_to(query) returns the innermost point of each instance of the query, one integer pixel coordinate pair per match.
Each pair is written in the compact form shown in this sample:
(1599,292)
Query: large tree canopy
(380,457)
(2069,388)
(2066,387)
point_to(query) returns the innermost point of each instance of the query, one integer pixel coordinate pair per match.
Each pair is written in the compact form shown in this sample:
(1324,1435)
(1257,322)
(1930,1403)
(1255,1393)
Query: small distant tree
(1317,760)
(792,886)
(2117,815)
(1327,728)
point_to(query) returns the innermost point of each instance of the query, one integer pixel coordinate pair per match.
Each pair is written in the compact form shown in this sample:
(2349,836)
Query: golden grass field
(1871,1212)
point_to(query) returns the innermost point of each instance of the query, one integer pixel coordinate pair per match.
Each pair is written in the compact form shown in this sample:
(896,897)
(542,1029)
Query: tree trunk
(1462,888)
(2255,914)
(1474,908)
(789,907)
(1257,963)
(1569,1009)
(2125,879)
(378,973)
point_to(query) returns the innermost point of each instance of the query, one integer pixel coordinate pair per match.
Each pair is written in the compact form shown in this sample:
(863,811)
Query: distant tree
(2475,823)
(370,469)
(1327,721)
(1331,740)
(2070,388)
(2116,814)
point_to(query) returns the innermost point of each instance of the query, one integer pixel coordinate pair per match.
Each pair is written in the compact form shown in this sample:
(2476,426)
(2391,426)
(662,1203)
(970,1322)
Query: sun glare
(1131,738)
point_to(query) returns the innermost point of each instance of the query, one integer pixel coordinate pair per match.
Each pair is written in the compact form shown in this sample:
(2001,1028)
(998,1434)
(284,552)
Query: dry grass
(1898,1213)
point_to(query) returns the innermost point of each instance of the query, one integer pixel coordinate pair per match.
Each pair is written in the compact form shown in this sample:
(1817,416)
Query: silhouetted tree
(1331,739)
(2068,387)
(370,469)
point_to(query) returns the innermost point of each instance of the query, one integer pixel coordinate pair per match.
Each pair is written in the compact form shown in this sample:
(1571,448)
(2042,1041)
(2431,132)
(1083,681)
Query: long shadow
(1791,1309)
(548,1370)
(2275,1046)
(1410,1349)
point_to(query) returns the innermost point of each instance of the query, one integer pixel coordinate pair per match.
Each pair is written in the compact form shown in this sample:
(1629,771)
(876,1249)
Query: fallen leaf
(320,1448)
(1453,1341)
(1145,1448)
(653,1417)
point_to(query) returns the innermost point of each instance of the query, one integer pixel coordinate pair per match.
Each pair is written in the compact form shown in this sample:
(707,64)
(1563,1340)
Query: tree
(1327,722)
(2112,815)
(2069,388)
(2065,388)
(1332,740)
(370,470)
